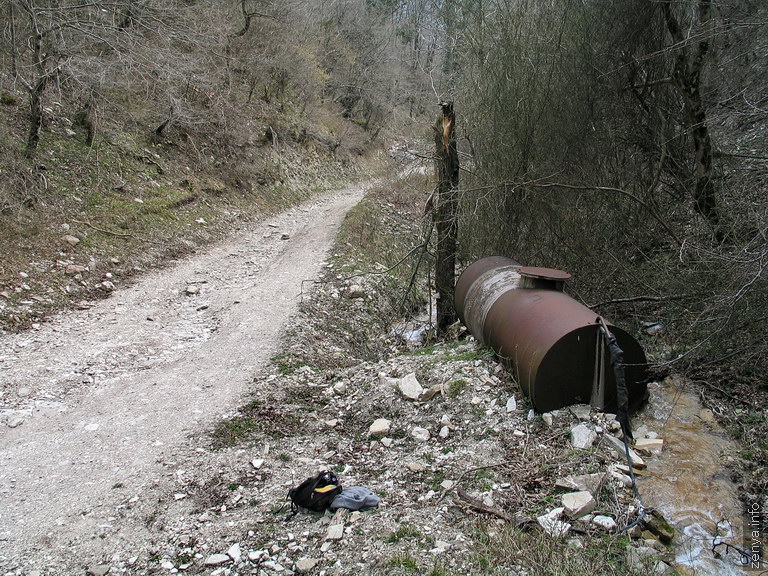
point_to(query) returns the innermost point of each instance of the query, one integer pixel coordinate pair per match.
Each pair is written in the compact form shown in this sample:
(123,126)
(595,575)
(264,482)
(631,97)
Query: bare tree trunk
(14,48)
(35,115)
(687,79)
(87,119)
(446,217)
(43,75)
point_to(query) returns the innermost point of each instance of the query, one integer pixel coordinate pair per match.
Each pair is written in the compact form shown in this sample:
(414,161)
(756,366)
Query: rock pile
(435,434)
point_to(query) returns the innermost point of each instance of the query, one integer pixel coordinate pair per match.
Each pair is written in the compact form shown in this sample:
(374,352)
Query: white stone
(191,290)
(71,240)
(234,553)
(623,479)
(605,522)
(387,442)
(256,555)
(217,559)
(531,415)
(444,432)
(552,524)
(420,434)
(582,437)
(23,392)
(387,382)
(356,291)
(340,388)
(511,404)
(583,482)
(305,565)
(274,566)
(649,445)
(446,484)
(331,423)
(618,445)
(335,532)
(581,411)
(355,516)
(257,463)
(409,387)
(548,419)
(379,427)
(577,504)
(14,422)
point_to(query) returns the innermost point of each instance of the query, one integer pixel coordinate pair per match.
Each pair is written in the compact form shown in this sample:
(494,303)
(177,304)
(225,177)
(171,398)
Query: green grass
(133,202)
(437,479)
(438,570)
(404,560)
(405,530)
(499,549)
(286,364)
(256,419)
(456,387)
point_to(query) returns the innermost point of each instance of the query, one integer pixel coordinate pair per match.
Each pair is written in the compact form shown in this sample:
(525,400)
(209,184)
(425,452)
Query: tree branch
(626,193)
(639,299)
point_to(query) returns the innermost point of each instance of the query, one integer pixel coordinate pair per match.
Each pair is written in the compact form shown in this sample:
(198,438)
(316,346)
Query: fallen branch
(476,504)
(639,299)
(497,465)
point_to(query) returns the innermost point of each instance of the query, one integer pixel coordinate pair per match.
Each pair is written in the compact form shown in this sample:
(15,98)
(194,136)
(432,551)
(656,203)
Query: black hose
(622,412)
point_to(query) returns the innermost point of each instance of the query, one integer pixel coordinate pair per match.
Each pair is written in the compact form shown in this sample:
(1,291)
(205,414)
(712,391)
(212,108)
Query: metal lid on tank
(544,273)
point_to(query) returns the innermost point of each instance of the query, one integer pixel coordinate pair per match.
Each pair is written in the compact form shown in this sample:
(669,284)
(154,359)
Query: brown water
(688,482)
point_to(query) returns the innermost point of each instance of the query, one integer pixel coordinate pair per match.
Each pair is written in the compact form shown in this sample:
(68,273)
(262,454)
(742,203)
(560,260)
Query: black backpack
(315,493)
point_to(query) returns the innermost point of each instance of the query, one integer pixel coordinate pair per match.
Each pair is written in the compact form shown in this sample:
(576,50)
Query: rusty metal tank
(549,341)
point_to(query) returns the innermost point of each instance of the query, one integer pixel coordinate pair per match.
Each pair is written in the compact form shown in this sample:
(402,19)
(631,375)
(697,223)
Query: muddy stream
(688,482)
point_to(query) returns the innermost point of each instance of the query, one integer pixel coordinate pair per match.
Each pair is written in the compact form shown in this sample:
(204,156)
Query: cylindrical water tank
(549,341)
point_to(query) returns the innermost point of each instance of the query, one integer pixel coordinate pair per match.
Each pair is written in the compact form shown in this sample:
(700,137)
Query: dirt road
(97,399)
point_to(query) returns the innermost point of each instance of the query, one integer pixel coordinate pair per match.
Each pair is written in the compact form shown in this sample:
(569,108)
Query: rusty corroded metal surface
(544,273)
(544,278)
(547,340)
(479,287)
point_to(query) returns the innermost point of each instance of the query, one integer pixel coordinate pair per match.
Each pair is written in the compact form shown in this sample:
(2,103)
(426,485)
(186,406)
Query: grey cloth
(355,498)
